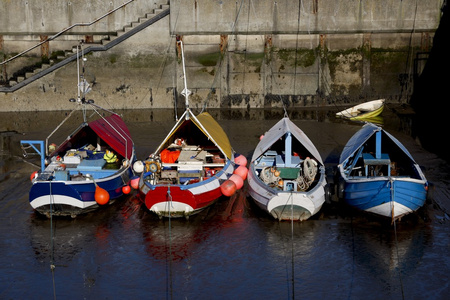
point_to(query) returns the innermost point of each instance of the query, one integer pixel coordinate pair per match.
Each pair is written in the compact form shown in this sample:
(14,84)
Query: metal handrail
(64,30)
(73,57)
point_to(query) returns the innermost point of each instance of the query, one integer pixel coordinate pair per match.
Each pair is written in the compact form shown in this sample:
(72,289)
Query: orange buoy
(101,195)
(33,175)
(228,188)
(238,181)
(126,189)
(241,171)
(240,160)
(134,182)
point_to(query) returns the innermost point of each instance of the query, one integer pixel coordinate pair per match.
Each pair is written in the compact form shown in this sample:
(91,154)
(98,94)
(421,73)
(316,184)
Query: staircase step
(101,40)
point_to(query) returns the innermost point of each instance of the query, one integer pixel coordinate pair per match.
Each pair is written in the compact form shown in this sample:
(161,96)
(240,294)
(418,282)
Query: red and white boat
(192,167)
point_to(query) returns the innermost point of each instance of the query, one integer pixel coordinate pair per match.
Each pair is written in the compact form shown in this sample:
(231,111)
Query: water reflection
(231,250)
(387,256)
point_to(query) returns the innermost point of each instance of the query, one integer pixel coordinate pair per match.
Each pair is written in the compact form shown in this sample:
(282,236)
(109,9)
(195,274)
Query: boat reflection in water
(175,239)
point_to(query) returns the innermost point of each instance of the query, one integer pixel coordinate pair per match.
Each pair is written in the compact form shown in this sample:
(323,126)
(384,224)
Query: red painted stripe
(160,194)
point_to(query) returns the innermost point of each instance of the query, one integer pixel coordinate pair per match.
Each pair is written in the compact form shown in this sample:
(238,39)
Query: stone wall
(239,54)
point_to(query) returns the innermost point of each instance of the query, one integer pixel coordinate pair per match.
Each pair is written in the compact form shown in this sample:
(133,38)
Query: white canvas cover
(284,126)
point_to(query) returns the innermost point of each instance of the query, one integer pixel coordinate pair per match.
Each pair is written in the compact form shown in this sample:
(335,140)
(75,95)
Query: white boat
(286,174)
(365,110)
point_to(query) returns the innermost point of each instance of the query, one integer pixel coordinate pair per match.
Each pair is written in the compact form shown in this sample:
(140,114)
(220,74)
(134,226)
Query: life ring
(153,166)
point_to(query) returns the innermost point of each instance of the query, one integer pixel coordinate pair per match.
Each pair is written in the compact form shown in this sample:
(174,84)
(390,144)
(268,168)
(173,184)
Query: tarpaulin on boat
(214,131)
(210,128)
(361,137)
(284,126)
(115,133)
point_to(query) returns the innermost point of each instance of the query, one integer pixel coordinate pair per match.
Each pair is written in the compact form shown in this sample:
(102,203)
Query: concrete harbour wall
(239,54)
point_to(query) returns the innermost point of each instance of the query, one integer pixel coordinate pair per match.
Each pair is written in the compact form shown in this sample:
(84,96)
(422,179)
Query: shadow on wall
(430,98)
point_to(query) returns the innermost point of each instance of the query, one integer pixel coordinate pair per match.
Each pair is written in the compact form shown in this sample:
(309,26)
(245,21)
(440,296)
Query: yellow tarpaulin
(209,126)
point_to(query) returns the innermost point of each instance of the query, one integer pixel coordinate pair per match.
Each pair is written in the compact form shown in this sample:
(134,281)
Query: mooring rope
(353,259)
(52,246)
(169,278)
(292,247)
(395,236)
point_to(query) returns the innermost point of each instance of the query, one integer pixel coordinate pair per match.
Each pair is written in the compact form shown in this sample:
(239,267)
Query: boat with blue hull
(379,175)
(75,177)
(91,168)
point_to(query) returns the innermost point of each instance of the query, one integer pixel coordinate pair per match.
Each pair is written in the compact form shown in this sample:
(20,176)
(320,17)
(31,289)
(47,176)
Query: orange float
(134,182)
(126,189)
(240,160)
(101,195)
(238,181)
(228,188)
(33,175)
(241,171)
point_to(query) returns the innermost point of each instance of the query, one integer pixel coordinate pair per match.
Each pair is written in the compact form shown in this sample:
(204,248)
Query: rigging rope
(217,74)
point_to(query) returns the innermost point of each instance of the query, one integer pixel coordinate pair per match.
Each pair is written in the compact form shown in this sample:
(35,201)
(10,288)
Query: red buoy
(238,181)
(126,189)
(101,195)
(240,160)
(134,182)
(241,171)
(33,175)
(228,188)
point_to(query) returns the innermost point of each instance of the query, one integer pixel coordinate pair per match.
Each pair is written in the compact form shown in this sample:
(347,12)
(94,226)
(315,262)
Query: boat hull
(388,198)
(364,111)
(71,198)
(284,205)
(369,115)
(177,200)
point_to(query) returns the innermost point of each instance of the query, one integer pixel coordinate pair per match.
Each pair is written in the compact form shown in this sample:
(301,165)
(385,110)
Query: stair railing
(64,30)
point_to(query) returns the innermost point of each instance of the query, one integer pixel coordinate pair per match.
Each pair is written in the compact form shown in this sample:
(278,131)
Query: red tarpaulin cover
(115,133)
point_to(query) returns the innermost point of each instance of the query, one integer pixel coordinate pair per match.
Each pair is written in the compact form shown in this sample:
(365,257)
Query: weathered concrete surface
(238,54)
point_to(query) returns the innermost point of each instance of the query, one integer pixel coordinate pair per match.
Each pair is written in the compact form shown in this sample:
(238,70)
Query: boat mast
(82,84)
(185,92)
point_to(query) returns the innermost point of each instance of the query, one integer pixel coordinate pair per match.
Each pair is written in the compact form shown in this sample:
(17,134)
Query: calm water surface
(230,251)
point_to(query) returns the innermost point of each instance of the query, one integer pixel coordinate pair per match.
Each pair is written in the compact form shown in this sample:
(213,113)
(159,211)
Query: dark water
(230,251)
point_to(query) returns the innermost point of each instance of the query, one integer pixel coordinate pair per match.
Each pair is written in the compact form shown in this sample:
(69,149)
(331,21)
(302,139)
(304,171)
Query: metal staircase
(104,45)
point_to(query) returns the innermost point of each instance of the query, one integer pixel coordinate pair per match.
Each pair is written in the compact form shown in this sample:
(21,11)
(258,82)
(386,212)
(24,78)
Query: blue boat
(379,175)
(91,168)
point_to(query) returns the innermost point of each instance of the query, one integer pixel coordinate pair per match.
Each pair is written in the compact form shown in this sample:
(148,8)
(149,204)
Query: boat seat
(186,175)
(370,160)
(280,161)
(289,173)
(91,164)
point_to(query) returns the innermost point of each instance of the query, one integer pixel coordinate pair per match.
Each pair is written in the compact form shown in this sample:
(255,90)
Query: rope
(169,279)
(217,74)
(52,251)
(395,235)
(353,259)
(292,246)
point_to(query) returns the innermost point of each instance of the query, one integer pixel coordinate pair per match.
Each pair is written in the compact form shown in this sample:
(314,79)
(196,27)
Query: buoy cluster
(236,181)
(102,196)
